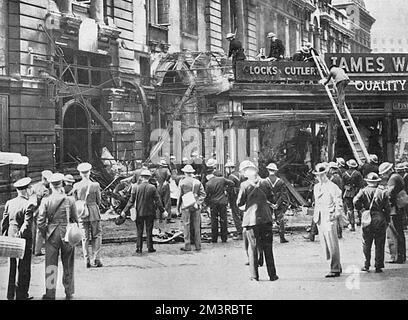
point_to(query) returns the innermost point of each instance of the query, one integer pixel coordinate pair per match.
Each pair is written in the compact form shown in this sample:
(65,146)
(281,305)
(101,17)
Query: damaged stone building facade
(78,76)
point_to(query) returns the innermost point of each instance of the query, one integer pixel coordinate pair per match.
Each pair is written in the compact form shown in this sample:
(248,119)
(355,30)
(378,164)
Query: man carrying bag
(374,202)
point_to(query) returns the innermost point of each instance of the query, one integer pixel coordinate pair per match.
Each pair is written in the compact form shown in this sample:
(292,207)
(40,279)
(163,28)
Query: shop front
(296,123)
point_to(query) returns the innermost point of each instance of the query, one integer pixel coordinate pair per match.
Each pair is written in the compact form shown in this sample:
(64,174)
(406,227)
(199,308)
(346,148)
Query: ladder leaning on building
(346,120)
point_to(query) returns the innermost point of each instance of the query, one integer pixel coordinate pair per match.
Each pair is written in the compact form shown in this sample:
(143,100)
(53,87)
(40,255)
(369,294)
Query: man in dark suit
(277,49)
(395,233)
(257,221)
(237,214)
(353,182)
(163,175)
(279,199)
(216,199)
(235,51)
(145,198)
(17,222)
(55,211)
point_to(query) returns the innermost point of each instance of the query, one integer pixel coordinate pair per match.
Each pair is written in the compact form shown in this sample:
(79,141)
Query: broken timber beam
(98,116)
(293,191)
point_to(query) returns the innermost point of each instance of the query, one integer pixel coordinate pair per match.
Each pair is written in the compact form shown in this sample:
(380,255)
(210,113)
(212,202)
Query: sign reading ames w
(367,64)
(266,71)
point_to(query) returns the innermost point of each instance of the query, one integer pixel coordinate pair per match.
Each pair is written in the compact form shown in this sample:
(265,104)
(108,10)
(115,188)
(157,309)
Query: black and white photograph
(217,151)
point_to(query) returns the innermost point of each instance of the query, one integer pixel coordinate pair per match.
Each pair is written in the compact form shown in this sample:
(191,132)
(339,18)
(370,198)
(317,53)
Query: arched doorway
(76,143)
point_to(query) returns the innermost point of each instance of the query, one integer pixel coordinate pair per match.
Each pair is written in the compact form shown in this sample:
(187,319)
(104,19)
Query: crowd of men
(345,195)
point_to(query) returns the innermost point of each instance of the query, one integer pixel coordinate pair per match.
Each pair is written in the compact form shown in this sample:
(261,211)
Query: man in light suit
(55,211)
(91,225)
(328,209)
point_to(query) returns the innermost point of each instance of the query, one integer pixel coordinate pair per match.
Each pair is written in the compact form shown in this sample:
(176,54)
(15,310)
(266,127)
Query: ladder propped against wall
(350,129)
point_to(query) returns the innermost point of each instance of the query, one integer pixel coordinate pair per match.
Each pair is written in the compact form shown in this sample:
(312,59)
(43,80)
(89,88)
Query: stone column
(275,23)
(287,38)
(96,11)
(316,35)
(298,41)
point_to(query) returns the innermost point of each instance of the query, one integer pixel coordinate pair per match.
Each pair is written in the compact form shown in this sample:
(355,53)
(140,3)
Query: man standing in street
(257,220)
(18,222)
(145,199)
(42,190)
(341,81)
(277,49)
(353,182)
(235,51)
(90,223)
(335,177)
(395,232)
(237,214)
(328,208)
(374,199)
(279,199)
(191,214)
(55,211)
(216,199)
(163,176)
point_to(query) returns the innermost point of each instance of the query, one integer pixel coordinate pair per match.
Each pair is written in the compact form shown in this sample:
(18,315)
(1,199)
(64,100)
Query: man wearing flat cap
(395,232)
(68,184)
(17,222)
(145,199)
(90,224)
(191,214)
(328,209)
(374,199)
(277,49)
(56,211)
(41,189)
(353,182)
(232,192)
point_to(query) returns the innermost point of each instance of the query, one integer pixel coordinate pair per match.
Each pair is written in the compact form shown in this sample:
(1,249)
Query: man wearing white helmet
(257,220)
(395,232)
(56,211)
(237,214)
(277,49)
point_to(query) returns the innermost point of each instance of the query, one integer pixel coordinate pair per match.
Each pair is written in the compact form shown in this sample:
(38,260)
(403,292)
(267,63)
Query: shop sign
(267,71)
(402,106)
(393,85)
(370,63)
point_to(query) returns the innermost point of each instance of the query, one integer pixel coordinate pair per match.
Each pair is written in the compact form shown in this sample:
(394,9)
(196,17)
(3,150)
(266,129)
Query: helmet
(247,164)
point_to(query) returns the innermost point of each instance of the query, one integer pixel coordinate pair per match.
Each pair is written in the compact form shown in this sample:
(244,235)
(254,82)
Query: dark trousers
(350,210)
(280,219)
(397,229)
(53,246)
(219,213)
(260,239)
(237,214)
(377,235)
(165,196)
(140,223)
(21,270)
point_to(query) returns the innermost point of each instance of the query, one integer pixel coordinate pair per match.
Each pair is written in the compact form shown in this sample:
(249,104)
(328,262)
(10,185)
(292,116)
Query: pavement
(218,272)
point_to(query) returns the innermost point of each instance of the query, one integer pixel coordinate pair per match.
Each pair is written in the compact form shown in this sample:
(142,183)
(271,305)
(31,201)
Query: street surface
(218,272)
